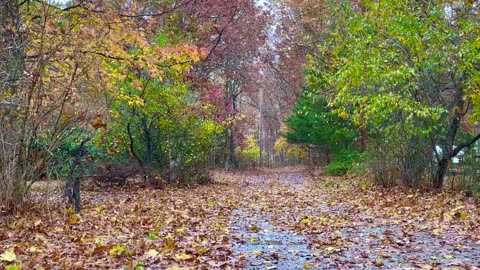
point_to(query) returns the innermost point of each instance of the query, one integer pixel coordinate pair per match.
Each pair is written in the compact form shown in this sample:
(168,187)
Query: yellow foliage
(291,151)
(251,150)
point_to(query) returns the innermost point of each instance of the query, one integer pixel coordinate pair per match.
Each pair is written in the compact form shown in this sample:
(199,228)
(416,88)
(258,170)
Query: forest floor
(284,218)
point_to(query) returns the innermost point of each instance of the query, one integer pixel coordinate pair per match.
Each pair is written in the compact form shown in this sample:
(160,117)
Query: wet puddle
(357,244)
(265,247)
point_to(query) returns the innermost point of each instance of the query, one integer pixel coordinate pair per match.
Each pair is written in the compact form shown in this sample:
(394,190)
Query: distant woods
(169,88)
(160,92)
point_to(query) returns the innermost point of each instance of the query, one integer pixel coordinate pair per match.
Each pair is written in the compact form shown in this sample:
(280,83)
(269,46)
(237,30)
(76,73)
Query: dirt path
(262,219)
(264,245)
(290,221)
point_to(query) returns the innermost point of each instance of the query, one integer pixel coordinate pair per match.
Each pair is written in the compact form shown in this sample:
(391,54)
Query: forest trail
(289,220)
(283,218)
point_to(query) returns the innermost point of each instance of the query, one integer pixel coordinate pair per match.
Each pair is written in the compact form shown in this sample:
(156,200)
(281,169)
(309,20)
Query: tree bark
(72,186)
(11,46)
(261,128)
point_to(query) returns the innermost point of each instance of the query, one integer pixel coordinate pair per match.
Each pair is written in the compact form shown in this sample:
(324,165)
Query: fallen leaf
(117,250)
(424,266)
(201,249)
(182,256)
(378,262)
(37,223)
(309,265)
(257,252)
(180,230)
(8,256)
(448,256)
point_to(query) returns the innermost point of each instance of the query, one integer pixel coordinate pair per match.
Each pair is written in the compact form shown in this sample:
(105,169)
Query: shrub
(337,168)
(342,162)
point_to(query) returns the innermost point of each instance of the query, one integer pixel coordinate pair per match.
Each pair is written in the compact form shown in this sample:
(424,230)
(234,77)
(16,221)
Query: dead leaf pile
(264,219)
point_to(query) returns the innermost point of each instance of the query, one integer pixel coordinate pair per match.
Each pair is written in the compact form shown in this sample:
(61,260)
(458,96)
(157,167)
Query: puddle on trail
(360,245)
(264,245)
(268,248)
(392,247)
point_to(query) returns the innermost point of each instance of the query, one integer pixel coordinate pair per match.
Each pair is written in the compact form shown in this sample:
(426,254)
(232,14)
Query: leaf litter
(257,219)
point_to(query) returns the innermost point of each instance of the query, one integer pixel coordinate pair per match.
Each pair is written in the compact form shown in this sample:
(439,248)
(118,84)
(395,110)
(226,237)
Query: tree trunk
(441,172)
(261,128)
(11,46)
(12,64)
(148,158)
(363,140)
(232,161)
(72,186)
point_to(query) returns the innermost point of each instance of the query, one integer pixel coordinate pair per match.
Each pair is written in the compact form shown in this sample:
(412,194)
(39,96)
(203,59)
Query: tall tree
(405,69)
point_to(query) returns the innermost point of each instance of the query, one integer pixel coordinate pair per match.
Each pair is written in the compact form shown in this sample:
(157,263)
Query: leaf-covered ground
(264,219)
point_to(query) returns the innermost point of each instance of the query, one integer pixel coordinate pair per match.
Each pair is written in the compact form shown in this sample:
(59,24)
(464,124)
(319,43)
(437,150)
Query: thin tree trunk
(72,186)
(441,172)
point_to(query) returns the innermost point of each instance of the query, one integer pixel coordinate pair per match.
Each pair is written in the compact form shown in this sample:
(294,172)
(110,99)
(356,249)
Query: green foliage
(342,162)
(337,168)
(160,123)
(314,122)
(406,73)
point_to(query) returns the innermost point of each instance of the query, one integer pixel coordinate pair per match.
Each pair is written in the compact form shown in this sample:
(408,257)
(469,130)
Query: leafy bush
(337,168)
(342,163)
(249,153)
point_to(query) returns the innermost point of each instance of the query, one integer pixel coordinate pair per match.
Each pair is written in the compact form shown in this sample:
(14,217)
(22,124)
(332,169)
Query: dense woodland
(114,89)
(116,96)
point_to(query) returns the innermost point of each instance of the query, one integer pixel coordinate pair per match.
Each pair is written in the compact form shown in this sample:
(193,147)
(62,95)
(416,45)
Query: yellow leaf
(223,229)
(257,252)
(152,253)
(169,243)
(8,256)
(75,219)
(254,241)
(448,256)
(306,220)
(33,249)
(180,230)
(378,262)
(309,265)
(116,250)
(201,249)
(38,222)
(183,256)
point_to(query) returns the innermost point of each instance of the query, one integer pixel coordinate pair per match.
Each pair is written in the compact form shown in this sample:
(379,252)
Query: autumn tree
(234,33)
(407,72)
(12,60)
(95,69)
(314,124)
